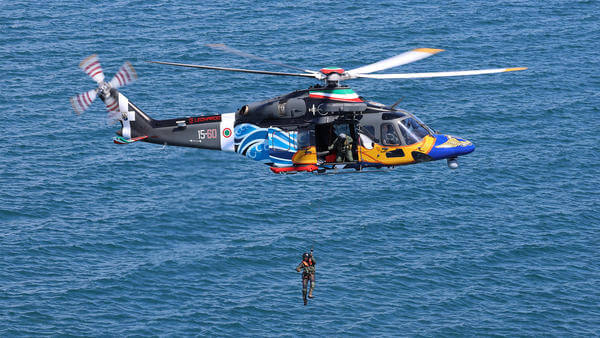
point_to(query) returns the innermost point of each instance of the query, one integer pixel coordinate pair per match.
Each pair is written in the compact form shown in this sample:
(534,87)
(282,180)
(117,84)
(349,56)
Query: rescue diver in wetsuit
(308,273)
(343,148)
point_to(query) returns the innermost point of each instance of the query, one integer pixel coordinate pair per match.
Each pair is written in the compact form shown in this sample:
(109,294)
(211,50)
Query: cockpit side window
(389,136)
(412,131)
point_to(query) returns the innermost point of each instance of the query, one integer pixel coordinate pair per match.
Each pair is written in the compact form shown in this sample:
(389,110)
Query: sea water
(101,239)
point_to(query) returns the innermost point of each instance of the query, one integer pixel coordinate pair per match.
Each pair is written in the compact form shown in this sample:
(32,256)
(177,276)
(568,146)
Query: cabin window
(304,138)
(342,129)
(370,130)
(389,136)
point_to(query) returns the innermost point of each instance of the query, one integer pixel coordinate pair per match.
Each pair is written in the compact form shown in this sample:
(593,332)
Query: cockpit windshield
(412,131)
(397,127)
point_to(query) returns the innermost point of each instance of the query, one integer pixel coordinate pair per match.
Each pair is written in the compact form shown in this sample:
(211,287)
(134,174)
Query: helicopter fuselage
(297,132)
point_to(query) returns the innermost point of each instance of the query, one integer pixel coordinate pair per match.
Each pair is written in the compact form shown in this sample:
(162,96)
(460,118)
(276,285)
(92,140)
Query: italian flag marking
(348,95)
(226,132)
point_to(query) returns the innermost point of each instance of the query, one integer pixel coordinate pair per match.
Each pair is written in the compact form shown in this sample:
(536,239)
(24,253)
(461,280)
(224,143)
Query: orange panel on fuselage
(306,155)
(378,155)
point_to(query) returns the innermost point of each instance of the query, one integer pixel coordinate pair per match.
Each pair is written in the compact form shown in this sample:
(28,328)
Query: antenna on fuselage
(396,103)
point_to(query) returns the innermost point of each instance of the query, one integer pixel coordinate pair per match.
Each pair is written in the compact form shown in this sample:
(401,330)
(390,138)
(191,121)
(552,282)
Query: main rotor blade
(439,74)
(235,69)
(395,61)
(228,49)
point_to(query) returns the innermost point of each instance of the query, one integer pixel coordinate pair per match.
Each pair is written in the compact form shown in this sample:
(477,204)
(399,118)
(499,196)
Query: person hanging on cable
(307,266)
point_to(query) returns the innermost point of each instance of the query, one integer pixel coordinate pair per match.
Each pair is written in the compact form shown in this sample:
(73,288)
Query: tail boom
(206,132)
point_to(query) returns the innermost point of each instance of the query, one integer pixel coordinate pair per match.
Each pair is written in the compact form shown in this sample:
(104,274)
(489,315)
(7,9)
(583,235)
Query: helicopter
(294,132)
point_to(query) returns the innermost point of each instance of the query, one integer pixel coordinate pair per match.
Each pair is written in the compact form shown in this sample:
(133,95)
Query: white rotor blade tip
(395,61)
(91,66)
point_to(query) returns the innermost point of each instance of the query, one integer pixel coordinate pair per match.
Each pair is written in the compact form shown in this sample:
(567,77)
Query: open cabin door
(328,146)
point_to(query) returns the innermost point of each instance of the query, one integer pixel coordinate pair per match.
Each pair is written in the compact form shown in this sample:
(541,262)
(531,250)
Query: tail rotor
(106,90)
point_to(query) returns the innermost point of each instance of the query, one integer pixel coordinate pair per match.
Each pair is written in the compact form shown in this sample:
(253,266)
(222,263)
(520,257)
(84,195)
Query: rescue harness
(309,267)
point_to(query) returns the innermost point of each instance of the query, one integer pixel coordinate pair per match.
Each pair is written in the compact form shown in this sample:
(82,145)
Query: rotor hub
(333,75)
(104,89)
(330,70)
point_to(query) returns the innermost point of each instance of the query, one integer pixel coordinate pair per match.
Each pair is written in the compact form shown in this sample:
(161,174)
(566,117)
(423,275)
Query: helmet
(342,135)
(305,255)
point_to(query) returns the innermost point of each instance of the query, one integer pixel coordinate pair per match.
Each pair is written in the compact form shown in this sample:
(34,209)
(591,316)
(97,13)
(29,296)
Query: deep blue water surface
(100,239)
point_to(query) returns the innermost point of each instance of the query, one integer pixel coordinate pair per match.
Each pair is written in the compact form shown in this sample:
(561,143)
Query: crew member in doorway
(343,147)
(307,266)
